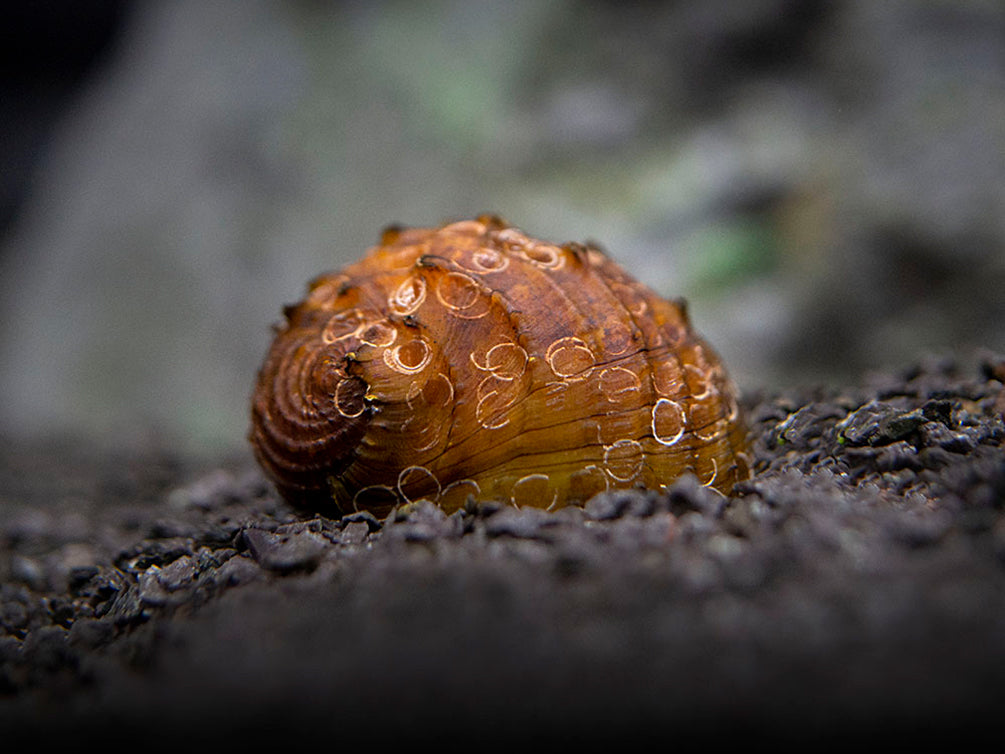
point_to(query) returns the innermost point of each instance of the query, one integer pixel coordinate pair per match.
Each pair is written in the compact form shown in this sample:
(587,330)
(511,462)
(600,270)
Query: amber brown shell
(473,360)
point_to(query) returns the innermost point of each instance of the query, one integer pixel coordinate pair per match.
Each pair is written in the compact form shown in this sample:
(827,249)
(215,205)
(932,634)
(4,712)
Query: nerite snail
(472,359)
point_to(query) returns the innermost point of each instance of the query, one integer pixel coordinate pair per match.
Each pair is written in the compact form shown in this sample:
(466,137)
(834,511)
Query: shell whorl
(472,359)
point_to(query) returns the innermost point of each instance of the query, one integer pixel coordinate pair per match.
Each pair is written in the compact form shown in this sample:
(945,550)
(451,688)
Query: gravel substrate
(854,587)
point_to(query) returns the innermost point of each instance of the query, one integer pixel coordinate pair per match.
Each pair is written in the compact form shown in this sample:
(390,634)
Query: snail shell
(474,360)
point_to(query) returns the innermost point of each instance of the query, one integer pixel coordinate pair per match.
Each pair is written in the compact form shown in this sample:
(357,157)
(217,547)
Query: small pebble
(523,523)
(178,574)
(285,552)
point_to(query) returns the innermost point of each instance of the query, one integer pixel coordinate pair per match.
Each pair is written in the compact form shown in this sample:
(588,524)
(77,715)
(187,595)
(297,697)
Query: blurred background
(823,181)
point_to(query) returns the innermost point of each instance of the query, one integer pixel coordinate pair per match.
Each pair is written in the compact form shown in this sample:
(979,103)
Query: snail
(472,360)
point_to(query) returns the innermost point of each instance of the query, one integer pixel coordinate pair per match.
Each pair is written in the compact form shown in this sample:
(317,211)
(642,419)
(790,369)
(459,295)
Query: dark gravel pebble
(521,523)
(285,551)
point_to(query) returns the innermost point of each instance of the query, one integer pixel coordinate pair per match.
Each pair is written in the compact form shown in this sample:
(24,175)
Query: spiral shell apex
(473,360)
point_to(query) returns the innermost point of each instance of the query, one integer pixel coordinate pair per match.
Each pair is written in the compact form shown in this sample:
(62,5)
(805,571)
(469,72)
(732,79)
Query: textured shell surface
(471,360)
